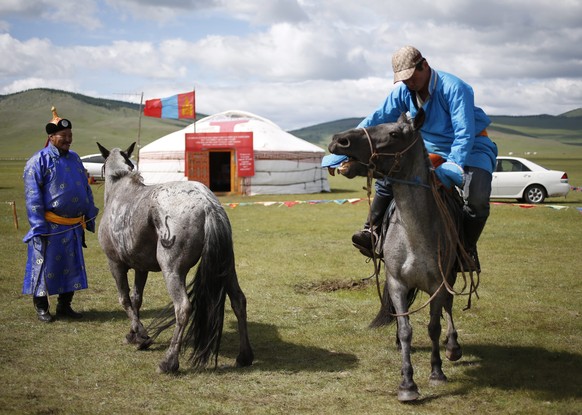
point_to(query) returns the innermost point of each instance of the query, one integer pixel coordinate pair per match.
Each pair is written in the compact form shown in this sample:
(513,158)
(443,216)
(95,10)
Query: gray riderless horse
(422,249)
(170,228)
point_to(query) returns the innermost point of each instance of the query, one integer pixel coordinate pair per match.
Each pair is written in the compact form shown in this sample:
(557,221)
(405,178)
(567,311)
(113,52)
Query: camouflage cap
(404,62)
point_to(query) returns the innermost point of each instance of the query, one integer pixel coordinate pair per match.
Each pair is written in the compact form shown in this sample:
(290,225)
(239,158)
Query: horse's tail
(207,291)
(387,312)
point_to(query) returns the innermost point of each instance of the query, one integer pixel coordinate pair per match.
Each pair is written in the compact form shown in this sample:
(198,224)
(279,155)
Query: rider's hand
(450,174)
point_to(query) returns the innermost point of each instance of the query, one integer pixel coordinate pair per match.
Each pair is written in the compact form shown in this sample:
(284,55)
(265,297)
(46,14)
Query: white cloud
(28,57)
(295,61)
(77,12)
(265,11)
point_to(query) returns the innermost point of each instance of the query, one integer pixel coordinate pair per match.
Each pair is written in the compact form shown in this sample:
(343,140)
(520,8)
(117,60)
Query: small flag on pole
(177,106)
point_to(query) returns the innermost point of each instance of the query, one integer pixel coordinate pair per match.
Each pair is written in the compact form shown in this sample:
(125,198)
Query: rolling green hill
(564,128)
(550,136)
(113,123)
(23,117)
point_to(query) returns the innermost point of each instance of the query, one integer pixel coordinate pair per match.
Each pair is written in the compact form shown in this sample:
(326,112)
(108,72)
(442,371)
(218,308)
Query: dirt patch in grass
(333,285)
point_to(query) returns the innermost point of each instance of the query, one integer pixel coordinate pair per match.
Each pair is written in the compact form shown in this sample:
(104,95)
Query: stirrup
(364,250)
(473,266)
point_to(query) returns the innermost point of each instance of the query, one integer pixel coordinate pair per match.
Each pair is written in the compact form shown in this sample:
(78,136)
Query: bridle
(374,155)
(371,166)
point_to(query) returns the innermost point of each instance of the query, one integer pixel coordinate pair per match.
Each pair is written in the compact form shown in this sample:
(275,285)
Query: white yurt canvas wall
(284,163)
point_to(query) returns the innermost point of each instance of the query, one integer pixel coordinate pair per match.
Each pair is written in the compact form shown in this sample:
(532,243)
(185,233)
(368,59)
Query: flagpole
(139,130)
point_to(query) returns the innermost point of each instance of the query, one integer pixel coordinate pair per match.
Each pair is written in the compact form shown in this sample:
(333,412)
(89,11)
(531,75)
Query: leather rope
(451,235)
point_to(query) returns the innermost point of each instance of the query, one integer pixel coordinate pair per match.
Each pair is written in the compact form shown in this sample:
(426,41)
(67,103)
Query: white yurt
(283,163)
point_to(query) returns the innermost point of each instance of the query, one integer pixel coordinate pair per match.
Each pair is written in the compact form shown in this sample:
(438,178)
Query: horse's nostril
(343,142)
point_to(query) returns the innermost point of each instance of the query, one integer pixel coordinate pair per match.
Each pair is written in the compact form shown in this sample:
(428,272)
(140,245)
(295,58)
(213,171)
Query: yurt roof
(267,136)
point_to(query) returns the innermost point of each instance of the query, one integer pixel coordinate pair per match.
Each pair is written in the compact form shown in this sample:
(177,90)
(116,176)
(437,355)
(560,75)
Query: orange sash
(53,217)
(437,160)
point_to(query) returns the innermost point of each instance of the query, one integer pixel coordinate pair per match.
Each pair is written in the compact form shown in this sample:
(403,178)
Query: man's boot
(363,239)
(41,305)
(64,306)
(472,228)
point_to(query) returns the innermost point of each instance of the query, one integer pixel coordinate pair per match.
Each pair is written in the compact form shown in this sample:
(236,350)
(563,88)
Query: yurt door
(197,167)
(221,170)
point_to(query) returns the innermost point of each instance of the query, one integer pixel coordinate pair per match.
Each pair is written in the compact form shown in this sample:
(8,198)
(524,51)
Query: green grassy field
(308,314)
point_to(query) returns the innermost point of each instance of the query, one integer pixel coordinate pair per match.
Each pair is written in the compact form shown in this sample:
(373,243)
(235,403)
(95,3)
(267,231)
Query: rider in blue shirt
(454,129)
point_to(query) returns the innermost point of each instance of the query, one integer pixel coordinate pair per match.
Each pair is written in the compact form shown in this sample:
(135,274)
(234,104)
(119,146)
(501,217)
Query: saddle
(454,203)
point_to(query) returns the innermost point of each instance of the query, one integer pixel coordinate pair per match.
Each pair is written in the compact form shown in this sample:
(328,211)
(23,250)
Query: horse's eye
(394,134)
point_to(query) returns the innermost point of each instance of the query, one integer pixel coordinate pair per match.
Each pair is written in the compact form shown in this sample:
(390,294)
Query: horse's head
(379,148)
(116,160)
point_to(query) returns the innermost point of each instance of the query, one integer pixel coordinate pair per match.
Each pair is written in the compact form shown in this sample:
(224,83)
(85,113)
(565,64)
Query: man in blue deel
(454,129)
(59,205)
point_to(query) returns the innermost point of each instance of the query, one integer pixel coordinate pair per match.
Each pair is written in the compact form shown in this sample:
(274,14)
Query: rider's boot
(64,306)
(472,228)
(365,238)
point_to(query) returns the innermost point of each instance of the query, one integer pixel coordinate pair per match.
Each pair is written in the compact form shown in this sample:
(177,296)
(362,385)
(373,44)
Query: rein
(371,166)
(451,236)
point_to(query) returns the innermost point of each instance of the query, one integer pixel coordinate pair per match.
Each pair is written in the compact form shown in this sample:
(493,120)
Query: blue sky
(295,62)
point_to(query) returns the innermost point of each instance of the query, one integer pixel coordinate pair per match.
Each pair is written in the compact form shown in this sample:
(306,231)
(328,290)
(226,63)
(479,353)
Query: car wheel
(534,194)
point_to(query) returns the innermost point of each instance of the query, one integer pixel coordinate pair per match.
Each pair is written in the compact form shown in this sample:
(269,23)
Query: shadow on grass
(548,375)
(275,354)
(271,352)
(341,190)
(551,375)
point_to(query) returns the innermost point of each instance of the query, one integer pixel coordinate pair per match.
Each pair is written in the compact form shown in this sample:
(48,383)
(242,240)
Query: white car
(93,163)
(521,179)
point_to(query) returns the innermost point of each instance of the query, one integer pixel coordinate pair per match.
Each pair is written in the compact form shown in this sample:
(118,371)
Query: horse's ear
(130,149)
(418,120)
(103,150)
(402,119)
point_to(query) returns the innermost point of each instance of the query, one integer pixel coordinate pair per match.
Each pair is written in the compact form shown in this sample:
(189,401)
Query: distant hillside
(573,113)
(565,128)
(320,134)
(24,115)
(542,131)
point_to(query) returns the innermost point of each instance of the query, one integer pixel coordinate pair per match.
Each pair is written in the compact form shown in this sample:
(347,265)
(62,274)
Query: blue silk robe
(56,183)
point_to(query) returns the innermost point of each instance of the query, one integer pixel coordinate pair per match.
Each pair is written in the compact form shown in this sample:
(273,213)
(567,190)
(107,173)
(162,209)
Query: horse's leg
(119,272)
(175,283)
(142,339)
(238,302)
(434,331)
(407,391)
(453,350)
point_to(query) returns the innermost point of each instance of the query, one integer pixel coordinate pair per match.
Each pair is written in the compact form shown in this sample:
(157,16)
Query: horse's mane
(134,176)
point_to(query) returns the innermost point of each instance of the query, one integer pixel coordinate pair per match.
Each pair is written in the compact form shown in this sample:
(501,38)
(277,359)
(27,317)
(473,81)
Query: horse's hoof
(407,395)
(165,367)
(131,338)
(437,379)
(144,343)
(243,361)
(454,353)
